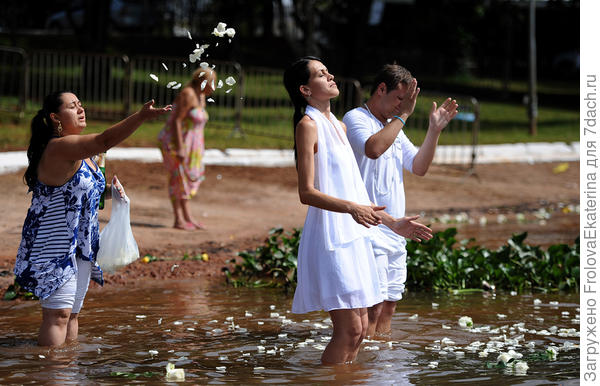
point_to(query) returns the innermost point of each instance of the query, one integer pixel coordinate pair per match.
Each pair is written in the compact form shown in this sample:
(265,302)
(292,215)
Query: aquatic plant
(15,291)
(442,263)
(445,263)
(272,264)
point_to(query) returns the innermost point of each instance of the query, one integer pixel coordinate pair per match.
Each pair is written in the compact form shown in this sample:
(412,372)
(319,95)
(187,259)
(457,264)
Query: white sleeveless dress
(336,265)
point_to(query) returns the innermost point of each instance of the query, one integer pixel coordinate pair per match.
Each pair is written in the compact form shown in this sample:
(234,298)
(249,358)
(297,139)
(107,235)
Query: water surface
(220,334)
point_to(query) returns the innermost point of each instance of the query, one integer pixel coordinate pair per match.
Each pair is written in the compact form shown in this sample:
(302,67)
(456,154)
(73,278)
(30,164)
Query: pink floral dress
(184,177)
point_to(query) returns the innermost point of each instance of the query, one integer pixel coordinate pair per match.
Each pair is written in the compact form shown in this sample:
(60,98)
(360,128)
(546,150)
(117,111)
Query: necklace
(373,115)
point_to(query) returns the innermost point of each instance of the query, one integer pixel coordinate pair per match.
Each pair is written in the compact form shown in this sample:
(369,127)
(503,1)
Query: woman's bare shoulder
(306,123)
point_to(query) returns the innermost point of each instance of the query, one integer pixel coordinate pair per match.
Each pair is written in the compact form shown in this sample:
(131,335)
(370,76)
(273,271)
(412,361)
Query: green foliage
(272,264)
(441,263)
(437,264)
(15,291)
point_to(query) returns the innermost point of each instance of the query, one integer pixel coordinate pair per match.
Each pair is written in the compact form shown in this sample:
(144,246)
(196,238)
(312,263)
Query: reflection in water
(222,334)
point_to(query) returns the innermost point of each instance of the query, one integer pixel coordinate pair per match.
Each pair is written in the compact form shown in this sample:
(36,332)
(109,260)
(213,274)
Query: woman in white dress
(336,265)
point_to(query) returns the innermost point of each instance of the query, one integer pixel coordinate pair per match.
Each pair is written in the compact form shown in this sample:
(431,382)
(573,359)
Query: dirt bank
(240,204)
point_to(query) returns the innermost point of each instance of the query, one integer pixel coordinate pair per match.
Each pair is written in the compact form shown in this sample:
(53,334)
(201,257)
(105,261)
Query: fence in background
(112,86)
(463,129)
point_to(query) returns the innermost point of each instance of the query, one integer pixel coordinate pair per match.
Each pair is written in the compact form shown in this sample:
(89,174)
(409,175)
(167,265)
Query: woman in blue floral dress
(57,254)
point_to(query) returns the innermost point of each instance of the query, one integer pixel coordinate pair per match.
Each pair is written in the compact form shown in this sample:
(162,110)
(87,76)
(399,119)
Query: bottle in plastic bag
(101,164)
(117,244)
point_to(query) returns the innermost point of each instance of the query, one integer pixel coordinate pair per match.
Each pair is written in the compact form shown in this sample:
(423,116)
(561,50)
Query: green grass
(266,117)
(271,127)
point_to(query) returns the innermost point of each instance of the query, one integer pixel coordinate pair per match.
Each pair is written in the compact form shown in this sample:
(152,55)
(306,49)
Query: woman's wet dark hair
(295,76)
(41,132)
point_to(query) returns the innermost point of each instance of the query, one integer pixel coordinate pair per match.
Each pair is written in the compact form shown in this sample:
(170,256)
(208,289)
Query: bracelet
(401,120)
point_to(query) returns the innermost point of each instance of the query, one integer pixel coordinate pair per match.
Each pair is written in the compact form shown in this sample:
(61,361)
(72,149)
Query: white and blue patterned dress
(61,225)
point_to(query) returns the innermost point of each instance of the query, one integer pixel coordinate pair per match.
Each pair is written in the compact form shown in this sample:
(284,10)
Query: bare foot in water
(186,226)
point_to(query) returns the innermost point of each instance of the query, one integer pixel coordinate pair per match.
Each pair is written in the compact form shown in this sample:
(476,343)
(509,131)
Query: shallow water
(213,333)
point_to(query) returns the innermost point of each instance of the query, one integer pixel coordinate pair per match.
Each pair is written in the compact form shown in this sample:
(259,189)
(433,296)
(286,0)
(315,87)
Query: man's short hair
(392,75)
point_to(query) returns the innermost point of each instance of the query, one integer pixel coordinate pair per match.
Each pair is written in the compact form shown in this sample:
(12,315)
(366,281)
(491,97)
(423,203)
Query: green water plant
(15,291)
(442,263)
(272,264)
(445,263)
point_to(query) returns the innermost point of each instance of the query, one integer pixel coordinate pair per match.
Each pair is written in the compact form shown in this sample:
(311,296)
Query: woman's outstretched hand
(148,111)
(365,214)
(409,228)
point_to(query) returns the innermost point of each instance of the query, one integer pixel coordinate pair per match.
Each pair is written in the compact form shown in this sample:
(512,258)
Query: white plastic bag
(117,245)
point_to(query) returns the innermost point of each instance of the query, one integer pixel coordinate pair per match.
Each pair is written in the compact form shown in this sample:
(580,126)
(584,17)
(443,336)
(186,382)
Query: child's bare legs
(349,329)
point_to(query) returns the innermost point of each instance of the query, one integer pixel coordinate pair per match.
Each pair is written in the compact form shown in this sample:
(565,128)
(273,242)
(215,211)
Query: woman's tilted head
(294,77)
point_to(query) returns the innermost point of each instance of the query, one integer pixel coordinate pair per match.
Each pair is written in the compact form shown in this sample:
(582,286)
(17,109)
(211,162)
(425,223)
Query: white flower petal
(189,35)
(165,67)
(465,321)
(230,81)
(204,65)
(178,85)
(220,84)
(230,32)
(203,84)
(221,27)
(154,77)
(228,91)
(210,100)
(521,368)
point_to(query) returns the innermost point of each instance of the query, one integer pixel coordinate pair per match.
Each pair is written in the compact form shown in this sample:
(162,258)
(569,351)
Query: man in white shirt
(382,150)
